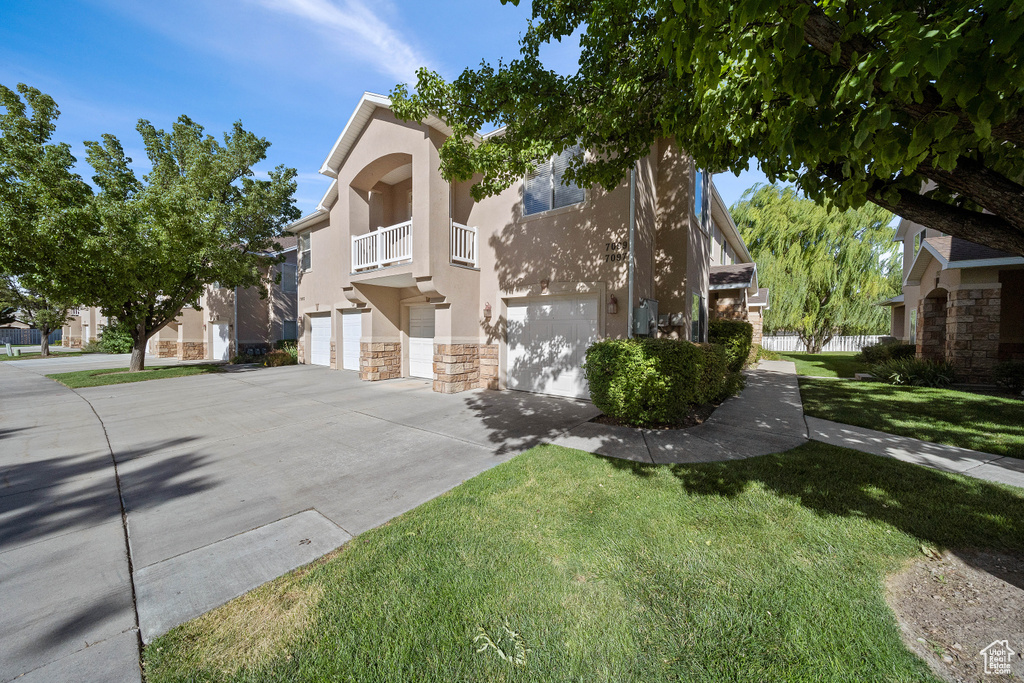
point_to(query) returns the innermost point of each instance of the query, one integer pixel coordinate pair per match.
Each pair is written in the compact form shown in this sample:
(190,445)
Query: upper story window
(546,188)
(918,238)
(305,261)
(289,278)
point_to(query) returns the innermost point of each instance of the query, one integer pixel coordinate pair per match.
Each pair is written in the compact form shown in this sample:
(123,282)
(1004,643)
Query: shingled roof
(735,276)
(956,249)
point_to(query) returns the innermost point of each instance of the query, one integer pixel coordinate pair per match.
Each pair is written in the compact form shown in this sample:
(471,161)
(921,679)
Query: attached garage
(221,341)
(351,332)
(320,340)
(547,343)
(421,342)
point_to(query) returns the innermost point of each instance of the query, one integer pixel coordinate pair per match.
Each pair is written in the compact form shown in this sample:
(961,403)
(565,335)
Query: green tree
(856,101)
(140,249)
(827,270)
(28,295)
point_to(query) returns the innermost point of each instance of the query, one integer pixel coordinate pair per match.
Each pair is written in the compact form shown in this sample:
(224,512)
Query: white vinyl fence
(791,342)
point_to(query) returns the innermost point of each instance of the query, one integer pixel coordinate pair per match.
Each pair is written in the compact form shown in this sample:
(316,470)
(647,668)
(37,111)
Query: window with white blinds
(546,188)
(305,262)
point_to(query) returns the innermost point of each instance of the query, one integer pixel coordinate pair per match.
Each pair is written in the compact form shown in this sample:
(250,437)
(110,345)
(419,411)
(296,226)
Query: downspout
(632,248)
(236,322)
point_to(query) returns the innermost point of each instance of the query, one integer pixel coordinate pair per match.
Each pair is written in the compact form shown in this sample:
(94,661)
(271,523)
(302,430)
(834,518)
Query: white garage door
(547,344)
(421,342)
(320,340)
(221,341)
(351,331)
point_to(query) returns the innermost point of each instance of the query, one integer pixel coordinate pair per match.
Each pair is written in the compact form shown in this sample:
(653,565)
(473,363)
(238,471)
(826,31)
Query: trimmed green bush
(878,353)
(656,381)
(1010,375)
(115,338)
(280,357)
(765,354)
(914,372)
(736,336)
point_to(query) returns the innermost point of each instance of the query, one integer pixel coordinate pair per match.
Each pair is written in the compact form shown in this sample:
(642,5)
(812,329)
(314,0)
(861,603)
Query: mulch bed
(951,606)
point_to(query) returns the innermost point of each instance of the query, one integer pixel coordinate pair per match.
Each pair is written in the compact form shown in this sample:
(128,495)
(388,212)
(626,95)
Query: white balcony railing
(382,247)
(463,245)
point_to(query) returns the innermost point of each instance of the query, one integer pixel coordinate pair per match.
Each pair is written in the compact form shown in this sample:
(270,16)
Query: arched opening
(380,213)
(931,343)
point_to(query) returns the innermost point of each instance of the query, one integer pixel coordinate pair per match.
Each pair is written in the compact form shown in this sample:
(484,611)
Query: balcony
(392,246)
(463,245)
(382,248)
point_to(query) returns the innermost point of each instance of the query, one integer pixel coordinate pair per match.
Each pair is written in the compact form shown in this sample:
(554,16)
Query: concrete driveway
(126,510)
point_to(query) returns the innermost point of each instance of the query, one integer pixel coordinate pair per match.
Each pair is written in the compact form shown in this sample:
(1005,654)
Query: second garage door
(351,331)
(547,342)
(421,342)
(320,340)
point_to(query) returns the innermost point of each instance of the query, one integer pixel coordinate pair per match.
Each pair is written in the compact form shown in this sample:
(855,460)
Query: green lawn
(831,364)
(992,424)
(99,378)
(36,354)
(768,569)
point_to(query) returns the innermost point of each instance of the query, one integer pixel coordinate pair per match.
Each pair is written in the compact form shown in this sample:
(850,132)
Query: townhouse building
(403,274)
(227,322)
(962,302)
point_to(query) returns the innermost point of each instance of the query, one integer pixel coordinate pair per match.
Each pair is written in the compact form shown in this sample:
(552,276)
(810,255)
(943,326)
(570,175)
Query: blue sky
(291,70)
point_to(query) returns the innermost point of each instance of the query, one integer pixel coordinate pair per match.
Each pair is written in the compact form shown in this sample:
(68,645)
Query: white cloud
(357,30)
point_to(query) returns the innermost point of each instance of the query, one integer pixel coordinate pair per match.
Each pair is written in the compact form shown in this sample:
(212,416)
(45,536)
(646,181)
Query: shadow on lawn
(940,509)
(991,424)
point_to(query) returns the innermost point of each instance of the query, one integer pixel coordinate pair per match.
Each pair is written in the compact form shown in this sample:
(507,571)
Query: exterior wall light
(487,310)
(613,305)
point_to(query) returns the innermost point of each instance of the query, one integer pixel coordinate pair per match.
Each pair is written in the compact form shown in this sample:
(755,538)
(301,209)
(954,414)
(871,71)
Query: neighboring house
(961,302)
(403,274)
(732,281)
(227,322)
(84,325)
(236,321)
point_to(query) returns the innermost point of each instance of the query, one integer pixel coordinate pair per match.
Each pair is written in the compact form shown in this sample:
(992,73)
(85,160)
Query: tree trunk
(44,343)
(138,362)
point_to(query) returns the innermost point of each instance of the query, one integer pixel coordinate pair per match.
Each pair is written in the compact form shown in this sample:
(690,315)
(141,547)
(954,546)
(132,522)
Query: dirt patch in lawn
(254,628)
(695,417)
(952,606)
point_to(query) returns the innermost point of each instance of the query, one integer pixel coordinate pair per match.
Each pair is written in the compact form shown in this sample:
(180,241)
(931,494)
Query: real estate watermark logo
(997,657)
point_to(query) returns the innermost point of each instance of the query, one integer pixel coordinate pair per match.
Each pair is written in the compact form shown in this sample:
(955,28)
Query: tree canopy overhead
(827,270)
(138,249)
(856,101)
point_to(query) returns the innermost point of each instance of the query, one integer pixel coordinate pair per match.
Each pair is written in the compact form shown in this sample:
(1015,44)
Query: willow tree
(856,101)
(827,269)
(139,249)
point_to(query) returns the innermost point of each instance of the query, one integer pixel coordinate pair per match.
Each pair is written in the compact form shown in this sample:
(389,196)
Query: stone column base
(191,350)
(456,367)
(379,360)
(334,356)
(488,366)
(73,342)
(972,332)
(166,349)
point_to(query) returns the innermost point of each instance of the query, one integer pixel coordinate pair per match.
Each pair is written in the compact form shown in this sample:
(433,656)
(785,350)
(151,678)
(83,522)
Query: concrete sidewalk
(68,612)
(995,468)
(767,417)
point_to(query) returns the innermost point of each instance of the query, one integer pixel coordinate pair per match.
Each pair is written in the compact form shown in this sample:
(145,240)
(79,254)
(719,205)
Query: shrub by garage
(736,336)
(645,382)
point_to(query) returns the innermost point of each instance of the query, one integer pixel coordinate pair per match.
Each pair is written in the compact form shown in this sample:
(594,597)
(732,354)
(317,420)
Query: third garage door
(320,340)
(547,342)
